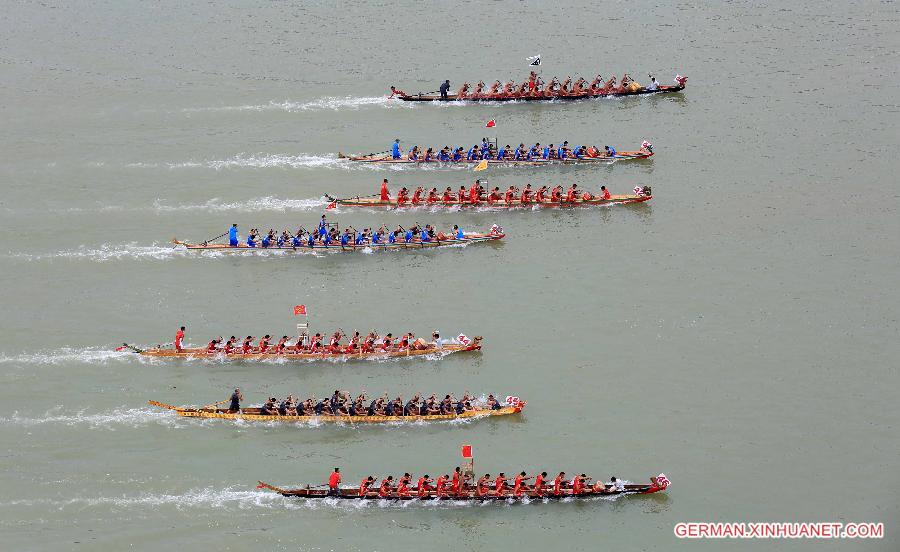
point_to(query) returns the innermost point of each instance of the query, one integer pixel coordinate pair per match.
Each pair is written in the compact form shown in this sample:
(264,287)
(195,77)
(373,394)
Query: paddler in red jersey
(463,195)
(247,345)
(455,484)
(334,480)
(483,487)
(558,484)
(509,195)
(264,343)
(447,198)
(423,487)
(539,484)
(335,344)
(440,489)
(539,195)
(570,195)
(386,342)
(282,343)
(494,196)
(179,338)
(605,193)
(368,345)
(403,485)
(526,194)
(402,197)
(500,484)
(556,194)
(417,195)
(364,486)
(386,487)
(532,81)
(520,486)
(578,484)
(212,347)
(385,193)
(432,197)
(475,193)
(353,345)
(229,345)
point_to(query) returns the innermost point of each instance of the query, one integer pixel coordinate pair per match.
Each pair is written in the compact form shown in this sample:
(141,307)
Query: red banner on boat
(332,205)
(299,309)
(467,451)
(491,124)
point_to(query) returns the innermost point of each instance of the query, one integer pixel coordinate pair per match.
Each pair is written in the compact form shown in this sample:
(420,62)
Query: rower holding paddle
(334,480)
(179,338)
(233,235)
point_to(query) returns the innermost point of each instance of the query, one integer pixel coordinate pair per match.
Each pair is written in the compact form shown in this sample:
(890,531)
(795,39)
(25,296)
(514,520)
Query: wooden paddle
(214,404)
(214,239)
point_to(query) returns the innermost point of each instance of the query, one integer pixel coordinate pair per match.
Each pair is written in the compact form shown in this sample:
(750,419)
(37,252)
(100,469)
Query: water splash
(88,355)
(334,103)
(234,498)
(267,203)
(131,417)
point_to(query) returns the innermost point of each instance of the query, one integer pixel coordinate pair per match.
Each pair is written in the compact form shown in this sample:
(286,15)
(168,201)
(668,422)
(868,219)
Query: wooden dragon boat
(199,352)
(253,415)
(388,160)
(644,194)
(310,492)
(415,244)
(638,91)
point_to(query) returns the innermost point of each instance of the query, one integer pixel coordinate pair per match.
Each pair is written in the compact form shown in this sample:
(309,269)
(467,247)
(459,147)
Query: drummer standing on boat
(395,149)
(233,236)
(179,337)
(444,89)
(334,481)
(236,399)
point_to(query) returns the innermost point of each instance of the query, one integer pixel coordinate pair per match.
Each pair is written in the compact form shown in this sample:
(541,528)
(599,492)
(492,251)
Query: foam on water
(132,251)
(88,355)
(267,203)
(334,103)
(131,417)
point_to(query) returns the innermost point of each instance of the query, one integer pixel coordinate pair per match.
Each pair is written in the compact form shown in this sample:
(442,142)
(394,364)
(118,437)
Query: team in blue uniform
(487,150)
(327,234)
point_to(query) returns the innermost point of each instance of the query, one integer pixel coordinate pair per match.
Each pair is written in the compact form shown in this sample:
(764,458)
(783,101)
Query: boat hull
(416,245)
(251,414)
(454,98)
(376,202)
(388,160)
(470,496)
(201,353)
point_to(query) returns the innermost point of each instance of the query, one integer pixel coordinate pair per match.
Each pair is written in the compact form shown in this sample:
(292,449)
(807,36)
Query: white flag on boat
(534,60)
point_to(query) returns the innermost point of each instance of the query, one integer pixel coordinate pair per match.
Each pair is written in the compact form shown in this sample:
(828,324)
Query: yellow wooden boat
(253,415)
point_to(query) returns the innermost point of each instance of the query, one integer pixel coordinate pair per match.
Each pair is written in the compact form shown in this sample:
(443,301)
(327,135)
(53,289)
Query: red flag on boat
(299,309)
(491,124)
(467,451)
(332,205)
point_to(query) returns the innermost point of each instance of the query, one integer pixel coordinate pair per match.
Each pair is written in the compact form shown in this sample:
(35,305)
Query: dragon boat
(254,415)
(290,355)
(640,195)
(416,243)
(387,159)
(545,96)
(656,485)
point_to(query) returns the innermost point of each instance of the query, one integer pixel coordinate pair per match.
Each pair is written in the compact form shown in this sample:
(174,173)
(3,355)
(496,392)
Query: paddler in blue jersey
(233,236)
(458,232)
(561,152)
(458,154)
(251,238)
(610,151)
(546,155)
(295,241)
(323,226)
(345,237)
(444,154)
(395,149)
(520,152)
(408,236)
